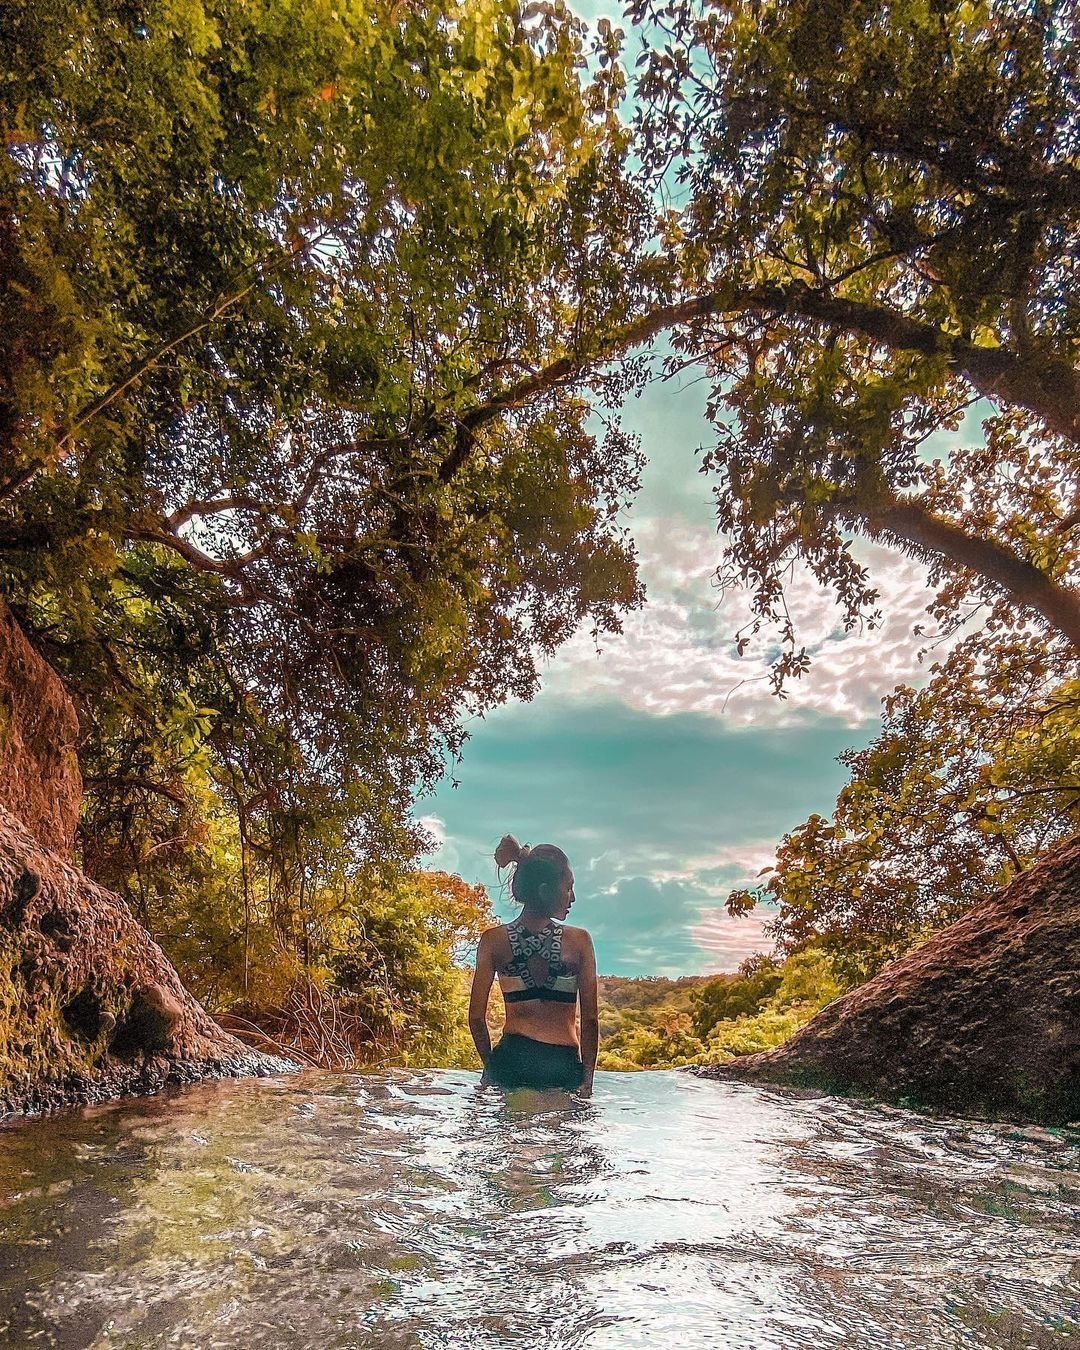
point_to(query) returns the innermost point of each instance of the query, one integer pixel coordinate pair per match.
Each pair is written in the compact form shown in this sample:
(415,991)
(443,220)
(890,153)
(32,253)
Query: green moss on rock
(89,1006)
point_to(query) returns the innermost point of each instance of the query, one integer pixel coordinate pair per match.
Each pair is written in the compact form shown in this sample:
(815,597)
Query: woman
(545,969)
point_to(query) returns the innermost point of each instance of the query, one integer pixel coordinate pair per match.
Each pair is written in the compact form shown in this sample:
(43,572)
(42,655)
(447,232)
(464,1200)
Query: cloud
(730,941)
(677,654)
(435,826)
(662,928)
(444,856)
(681,904)
(661,817)
(665,767)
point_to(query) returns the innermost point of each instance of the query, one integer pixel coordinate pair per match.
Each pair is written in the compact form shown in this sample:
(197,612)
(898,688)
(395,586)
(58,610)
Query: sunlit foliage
(273,276)
(301,313)
(398,955)
(280,496)
(663,1024)
(969,781)
(881,226)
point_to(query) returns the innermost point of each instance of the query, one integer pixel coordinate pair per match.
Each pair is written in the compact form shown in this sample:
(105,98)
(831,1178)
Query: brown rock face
(90,1007)
(982,1019)
(40,782)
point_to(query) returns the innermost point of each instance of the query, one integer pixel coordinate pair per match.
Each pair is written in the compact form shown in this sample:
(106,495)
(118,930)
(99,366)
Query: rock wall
(90,1007)
(982,1019)
(40,782)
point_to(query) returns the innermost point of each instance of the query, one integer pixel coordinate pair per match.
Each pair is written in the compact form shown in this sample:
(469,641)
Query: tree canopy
(879,230)
(303,311)
(969,780)
(298,338)
(273,276)
(876,226)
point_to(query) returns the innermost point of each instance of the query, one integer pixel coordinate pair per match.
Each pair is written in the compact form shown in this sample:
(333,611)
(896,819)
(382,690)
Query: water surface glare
(412,1209)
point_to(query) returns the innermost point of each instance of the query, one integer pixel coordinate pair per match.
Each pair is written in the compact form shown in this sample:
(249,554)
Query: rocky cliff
(40,782)
(982,1019)
(90,1007)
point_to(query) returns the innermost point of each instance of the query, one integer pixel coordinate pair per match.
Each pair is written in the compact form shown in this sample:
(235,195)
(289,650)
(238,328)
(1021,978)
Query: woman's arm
(483,978)
(590,1017)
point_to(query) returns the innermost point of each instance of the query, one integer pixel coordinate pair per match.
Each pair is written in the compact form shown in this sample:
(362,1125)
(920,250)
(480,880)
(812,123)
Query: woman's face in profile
(566,896)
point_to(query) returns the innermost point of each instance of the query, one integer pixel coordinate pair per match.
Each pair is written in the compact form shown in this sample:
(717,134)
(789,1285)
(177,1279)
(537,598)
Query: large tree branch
(571,368)
(993,164)
(214,506)
(236,568)
(905,521)
(1048,388)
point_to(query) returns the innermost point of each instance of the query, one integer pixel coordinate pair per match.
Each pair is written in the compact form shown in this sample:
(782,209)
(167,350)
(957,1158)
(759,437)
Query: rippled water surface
(412,1209)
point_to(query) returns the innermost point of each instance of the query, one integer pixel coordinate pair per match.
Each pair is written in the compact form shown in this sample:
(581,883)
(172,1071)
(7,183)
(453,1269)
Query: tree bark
(910,524)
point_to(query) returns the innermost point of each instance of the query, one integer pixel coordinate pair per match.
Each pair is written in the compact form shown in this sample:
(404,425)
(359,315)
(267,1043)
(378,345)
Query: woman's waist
(552,1023)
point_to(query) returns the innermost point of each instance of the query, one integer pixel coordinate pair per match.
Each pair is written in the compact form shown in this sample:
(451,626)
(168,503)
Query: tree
(969,781)
(763,1012)
(294,358)
(395,954)
(270,275)
(881,230)
(731,996)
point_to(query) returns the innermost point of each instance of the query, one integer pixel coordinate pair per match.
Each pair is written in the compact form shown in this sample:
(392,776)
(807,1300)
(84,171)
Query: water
(412,1210)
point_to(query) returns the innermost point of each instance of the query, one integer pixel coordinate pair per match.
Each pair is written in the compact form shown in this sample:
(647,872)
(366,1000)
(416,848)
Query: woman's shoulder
(579,936)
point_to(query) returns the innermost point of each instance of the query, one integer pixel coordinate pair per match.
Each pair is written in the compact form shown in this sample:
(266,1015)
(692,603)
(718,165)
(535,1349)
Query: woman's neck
(534,922)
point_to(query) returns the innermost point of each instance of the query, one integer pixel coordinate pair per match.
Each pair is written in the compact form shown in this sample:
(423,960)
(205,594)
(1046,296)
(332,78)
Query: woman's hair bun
(509,850)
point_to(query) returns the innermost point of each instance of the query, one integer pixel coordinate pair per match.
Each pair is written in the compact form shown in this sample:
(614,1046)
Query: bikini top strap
(520,960)
(555,953)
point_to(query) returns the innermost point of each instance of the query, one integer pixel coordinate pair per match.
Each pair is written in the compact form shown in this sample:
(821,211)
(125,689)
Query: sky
(664,766)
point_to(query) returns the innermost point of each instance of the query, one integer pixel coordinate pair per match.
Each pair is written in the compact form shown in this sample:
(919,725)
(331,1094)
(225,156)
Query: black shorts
(519,1061)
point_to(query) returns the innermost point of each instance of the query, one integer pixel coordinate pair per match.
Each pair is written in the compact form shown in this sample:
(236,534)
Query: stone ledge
(90,1007)
(983,1019)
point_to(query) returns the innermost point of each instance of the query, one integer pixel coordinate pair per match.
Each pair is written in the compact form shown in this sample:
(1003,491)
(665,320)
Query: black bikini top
(561,983)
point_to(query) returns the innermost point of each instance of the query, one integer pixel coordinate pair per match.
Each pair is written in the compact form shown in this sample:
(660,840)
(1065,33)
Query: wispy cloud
(730,941)
(678,654)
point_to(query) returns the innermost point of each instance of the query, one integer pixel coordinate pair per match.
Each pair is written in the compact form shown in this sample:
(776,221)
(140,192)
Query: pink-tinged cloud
(729,941)
(676,654)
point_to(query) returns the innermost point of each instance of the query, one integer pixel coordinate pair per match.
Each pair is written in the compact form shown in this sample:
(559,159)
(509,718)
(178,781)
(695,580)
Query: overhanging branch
(1048,388)
(907,521)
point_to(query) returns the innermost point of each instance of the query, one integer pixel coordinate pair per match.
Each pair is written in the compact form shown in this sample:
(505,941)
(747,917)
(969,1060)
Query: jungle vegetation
(273,276)
(709,1019)
(314,323)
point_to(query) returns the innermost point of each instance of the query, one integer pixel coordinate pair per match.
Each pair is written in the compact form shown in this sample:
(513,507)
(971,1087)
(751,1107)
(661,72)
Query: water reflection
(415,1210)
